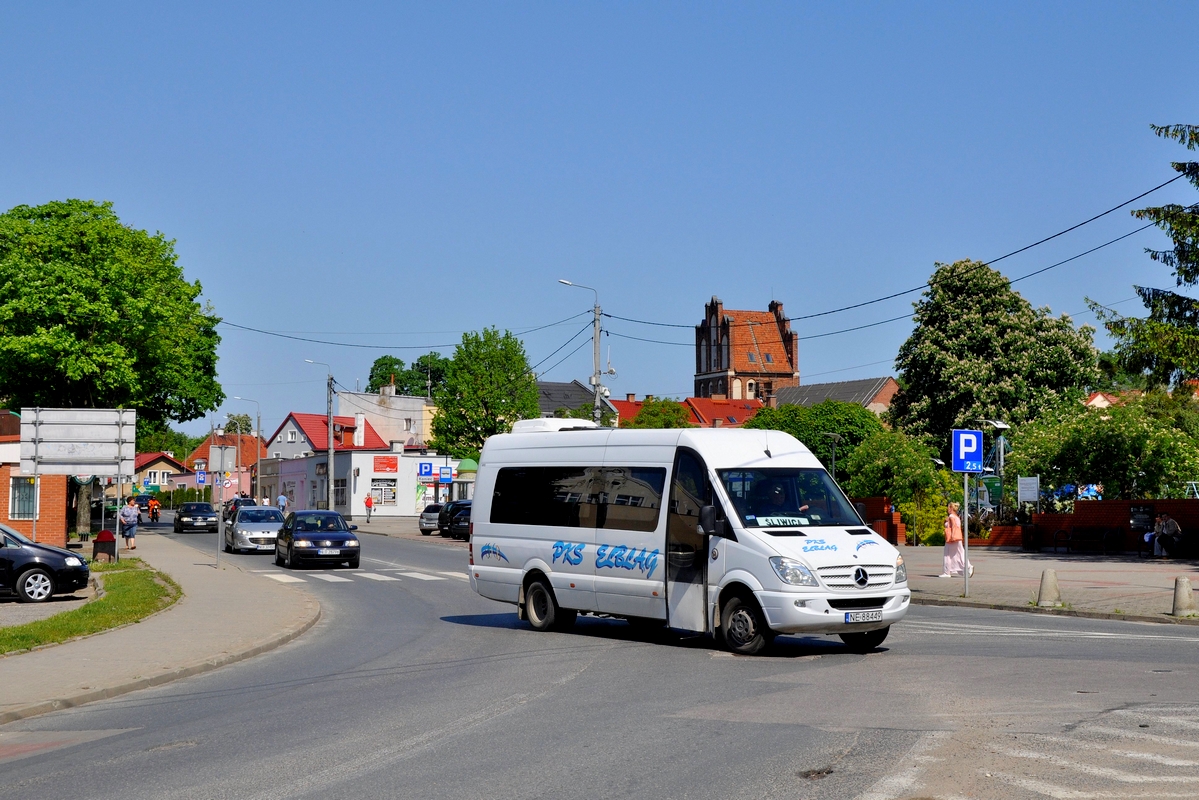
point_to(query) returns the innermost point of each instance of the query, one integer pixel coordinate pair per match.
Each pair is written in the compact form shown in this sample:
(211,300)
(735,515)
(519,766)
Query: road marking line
(953,629)
(1099,772)
(331,578)
(264,570)
(1181,722)
(460,575)
(420,576)
(375,577)
(901,783)
(1145,737)
(1081,745)
(279,576)
(1052,790)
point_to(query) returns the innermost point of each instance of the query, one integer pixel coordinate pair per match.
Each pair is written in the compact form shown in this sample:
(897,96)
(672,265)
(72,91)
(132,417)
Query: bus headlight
(792,572)
(901,571)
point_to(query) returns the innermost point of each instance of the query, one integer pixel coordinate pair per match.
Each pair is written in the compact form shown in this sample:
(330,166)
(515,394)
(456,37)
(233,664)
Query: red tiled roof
(761,339)
(731,413)
(627,409)
(145,459)
(316,428)
(247,457)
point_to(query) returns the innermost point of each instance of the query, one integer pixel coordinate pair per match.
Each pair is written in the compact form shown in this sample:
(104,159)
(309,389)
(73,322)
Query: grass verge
(132,592)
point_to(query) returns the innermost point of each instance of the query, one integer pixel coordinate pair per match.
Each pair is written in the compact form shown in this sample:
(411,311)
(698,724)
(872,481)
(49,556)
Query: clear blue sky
(396,175)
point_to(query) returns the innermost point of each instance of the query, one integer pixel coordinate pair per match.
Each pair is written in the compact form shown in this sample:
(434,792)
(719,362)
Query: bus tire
(541,608)
(865,641)
(743,626)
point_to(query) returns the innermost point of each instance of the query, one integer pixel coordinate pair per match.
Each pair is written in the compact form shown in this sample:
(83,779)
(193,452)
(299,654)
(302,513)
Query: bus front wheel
(743,626)
(542,609)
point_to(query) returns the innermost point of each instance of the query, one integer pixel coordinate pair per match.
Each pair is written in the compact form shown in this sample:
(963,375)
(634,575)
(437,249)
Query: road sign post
(219,460)
(967,458)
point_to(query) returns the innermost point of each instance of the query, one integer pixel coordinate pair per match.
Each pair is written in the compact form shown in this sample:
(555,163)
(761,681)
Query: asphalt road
(413,686)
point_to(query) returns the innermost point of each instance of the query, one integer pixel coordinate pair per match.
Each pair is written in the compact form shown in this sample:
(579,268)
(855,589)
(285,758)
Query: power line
(847,369)
(925,285)
(568,355)
(551,355)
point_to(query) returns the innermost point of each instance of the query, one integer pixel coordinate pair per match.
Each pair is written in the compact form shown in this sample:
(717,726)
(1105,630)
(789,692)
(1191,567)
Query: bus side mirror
(707,520)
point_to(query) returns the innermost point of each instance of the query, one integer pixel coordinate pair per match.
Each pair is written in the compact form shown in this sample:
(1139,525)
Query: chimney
(649,397)
(360,427)
(716,423)
(772,402)
(388,389)
(720,397)
(631,397)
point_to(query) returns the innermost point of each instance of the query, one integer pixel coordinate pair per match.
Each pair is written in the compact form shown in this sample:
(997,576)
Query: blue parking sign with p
(967,451)
(424,469)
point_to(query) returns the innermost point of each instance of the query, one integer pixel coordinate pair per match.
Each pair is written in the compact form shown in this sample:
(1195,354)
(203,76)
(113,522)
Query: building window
(753,359)
(276,455)
(22,499)
(383,491)
(769,358)
(165,476)
(749,390)
(339,491)
(291,436)
(200,465)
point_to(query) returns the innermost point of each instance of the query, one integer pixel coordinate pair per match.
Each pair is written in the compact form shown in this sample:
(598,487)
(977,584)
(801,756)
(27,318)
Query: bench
(1075,538)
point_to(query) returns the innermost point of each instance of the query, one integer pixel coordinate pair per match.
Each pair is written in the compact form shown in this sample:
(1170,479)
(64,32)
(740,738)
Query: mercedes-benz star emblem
(861,577)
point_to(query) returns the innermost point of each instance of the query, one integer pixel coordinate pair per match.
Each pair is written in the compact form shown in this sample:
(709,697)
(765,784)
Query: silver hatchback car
(428,519)
(254,529)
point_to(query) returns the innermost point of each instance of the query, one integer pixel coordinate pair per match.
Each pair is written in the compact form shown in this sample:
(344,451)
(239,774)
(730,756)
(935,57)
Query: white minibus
(737,533)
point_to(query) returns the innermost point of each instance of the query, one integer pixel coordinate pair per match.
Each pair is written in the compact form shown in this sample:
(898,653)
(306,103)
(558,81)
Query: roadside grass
(132,592)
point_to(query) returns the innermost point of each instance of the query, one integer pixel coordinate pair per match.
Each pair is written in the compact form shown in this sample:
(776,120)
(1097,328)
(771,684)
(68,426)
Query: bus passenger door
(686,545)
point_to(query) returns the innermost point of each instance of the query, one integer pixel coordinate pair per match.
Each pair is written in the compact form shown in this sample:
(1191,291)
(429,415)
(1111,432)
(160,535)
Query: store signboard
(74,441)
(387,464)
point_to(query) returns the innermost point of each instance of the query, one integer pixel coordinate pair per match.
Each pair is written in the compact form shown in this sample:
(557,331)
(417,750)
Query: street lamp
(596,375)
(329,402)
(258,451)
(836,437)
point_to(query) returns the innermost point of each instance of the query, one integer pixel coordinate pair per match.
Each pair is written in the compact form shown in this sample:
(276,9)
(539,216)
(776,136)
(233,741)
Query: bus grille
(841,577)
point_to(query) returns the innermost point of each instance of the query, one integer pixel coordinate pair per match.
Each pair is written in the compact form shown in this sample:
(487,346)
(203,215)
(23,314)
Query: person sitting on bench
(1167,536)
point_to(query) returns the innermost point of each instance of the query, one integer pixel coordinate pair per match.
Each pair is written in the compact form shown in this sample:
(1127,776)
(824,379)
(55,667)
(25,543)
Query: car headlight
(901,571)
(351,543)
(185,519)
(302,543)
(793,572)
(71,561)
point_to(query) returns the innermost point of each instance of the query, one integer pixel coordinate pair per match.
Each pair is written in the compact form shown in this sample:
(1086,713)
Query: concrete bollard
(1049,596)
(1184,600)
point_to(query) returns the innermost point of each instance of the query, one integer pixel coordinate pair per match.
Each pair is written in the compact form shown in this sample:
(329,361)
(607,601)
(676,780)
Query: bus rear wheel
(865,641)
(542,609)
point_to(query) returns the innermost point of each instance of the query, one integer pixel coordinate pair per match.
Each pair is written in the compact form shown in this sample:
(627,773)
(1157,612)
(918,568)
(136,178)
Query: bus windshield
(782,500)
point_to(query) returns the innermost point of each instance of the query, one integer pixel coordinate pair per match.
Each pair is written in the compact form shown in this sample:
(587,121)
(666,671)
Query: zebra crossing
(386,575)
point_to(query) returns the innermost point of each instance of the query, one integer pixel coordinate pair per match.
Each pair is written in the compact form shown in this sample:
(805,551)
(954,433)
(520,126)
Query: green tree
(487,389)
(383,371)
(239,423)
(97,314)
(980,350)
(661,412)
(853,423)
(1165,344)
(1133,450)
(892,465)
(156,437)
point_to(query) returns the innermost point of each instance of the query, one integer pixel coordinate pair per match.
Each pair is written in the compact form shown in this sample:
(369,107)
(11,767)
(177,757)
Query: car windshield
(19,537)
(782,500)
(195,508)
(260,515)
(320,522)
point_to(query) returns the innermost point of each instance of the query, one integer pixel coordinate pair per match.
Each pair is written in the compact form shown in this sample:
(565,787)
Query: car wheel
(228,547)
(354,562)
(865,641)
(278,558)
(35,586)
(744,628)
(424,532)
(292,561)
(542,609)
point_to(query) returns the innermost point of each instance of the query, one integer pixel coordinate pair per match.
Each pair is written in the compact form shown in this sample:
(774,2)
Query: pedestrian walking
(128,521)
(281,501)
(1168,536)
(955,549)
(370,504)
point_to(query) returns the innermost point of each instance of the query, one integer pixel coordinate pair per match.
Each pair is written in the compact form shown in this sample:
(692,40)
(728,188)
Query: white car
(254,529)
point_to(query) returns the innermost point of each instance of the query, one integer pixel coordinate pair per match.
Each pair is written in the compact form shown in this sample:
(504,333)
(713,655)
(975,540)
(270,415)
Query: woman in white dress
(955,550)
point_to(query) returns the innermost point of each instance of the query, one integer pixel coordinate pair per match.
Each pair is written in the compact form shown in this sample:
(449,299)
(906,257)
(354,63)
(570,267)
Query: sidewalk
(1123,586)
(223,617)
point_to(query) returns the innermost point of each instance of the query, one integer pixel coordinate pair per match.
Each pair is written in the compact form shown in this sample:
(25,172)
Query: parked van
(737,533)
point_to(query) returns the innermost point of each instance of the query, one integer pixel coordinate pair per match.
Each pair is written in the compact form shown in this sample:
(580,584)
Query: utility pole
(597,374)
(257,483)
(329,399)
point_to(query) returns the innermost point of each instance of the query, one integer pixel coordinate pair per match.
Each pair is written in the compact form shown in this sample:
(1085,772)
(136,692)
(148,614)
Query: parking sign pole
(966,532)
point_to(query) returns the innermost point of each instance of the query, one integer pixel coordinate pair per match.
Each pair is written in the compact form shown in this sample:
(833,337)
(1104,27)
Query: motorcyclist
(155,507)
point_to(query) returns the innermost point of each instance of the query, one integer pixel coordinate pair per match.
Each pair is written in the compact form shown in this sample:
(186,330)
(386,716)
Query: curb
(207,665)
(1164,619)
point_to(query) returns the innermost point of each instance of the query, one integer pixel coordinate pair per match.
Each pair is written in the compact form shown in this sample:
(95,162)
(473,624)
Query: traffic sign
(424,469)
(145,481)
(967,451)
(201,477)
(228,484)
(445,475)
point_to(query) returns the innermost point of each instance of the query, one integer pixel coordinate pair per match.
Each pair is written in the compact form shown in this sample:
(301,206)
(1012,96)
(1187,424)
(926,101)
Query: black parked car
(446,515)
(317,537)
(195,517)
(460,525)
(231,506)
(35,572)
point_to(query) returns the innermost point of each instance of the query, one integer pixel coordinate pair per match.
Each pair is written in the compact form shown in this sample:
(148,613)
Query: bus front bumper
(790,612)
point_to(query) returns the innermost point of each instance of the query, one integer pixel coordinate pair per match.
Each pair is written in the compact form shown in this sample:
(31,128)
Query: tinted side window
(614,498)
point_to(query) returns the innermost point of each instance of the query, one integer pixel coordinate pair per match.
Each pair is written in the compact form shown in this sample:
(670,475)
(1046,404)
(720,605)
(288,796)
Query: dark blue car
(317,537)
